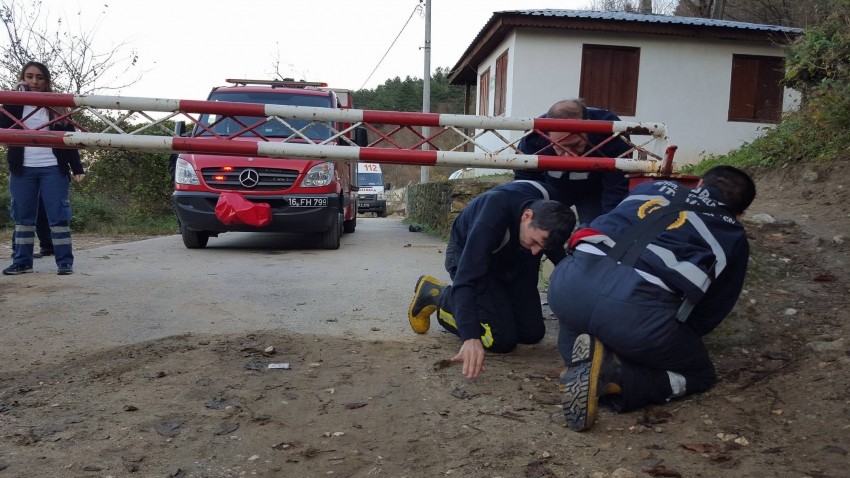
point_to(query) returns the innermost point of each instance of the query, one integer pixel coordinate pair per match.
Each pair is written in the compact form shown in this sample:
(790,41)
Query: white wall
(490,141)
(683,83)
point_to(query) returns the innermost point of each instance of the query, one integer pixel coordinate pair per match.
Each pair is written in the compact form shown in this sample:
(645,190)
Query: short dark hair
(554,217)
(737,188)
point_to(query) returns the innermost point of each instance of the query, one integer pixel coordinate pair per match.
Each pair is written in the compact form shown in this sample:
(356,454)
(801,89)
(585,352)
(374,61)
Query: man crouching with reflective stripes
(493,259)
(642,286)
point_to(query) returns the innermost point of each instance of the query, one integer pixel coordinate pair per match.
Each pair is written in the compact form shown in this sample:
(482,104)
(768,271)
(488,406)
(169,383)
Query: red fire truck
(308,196)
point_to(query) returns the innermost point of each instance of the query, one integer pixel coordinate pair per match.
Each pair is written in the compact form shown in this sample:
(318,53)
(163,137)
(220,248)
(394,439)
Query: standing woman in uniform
(44,171)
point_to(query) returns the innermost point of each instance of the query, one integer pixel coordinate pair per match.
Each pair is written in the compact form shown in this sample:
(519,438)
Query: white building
(714,83)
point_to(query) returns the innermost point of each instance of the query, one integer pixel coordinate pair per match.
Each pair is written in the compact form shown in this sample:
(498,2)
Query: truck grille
(367,197)
(249,179)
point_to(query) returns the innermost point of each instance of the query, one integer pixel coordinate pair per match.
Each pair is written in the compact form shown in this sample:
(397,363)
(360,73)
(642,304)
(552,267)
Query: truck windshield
(370,179)
(273,128)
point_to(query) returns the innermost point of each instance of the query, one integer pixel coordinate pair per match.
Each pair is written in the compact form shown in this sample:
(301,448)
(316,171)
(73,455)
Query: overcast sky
(186,47)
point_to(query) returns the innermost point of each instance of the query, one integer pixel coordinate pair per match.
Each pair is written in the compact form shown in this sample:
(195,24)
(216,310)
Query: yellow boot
(426,299)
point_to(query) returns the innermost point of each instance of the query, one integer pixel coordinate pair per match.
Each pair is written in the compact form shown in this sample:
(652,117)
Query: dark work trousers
(635,319)
(53,185)
(42,229)
(508,304)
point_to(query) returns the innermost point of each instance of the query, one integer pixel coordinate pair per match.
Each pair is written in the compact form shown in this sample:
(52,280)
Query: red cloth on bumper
(232,208)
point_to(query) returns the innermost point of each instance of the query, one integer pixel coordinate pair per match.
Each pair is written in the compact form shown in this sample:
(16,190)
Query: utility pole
(426,84)
(646,6)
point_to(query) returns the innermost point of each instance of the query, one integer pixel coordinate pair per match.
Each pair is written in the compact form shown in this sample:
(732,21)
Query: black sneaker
(594,372)
(16,269)
(65,270)
(46,252)
(426,299)
(37,255)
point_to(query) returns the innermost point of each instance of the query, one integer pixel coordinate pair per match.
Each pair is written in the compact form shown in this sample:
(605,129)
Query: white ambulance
(371,197)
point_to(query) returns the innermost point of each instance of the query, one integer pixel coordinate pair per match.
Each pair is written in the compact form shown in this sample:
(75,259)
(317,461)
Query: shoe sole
(579,384)
(421,322)
(581,349)
(18,272)
(580,353)
(65,273)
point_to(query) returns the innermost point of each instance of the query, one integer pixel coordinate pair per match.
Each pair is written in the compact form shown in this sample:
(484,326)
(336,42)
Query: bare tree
(660,7)
(76,65)
(696,8)
(278,74)
(796,13)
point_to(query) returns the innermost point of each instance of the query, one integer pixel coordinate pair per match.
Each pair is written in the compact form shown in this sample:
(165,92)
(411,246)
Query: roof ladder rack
(284,83)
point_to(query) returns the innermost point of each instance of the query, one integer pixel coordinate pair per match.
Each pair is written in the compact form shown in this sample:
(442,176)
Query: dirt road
(129,293)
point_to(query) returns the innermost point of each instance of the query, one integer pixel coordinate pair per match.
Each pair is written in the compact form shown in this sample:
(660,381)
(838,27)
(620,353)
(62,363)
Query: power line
(415,9)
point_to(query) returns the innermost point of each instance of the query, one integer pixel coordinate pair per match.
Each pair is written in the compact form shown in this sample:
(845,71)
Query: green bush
(5,200)
(140,182)
(92,213)
(821,54)
(95,214)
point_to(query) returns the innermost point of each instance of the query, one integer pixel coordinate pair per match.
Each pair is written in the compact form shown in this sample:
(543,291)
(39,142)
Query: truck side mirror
(180,128)
(359,136)
(388,186)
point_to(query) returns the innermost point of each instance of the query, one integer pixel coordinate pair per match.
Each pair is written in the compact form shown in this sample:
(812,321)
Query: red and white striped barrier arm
(117,139)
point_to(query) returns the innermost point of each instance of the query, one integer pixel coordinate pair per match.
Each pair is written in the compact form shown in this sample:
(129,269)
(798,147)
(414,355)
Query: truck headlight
(381,196)
(184,173)
(319,175)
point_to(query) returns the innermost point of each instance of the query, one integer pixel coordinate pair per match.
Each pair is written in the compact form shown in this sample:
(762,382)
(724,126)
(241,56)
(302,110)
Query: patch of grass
(133,224)
(97,215)
(90,214)
(813,134)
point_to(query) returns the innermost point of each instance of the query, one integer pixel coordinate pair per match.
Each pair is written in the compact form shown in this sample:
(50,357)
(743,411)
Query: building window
(484,93)
(756,92)
(609,77)
(501,93)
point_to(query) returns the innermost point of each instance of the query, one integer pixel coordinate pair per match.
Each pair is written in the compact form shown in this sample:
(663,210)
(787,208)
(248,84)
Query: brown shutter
(609,77)
(501,92)
(484,93)
(743,91)
(755,93)
(769,97)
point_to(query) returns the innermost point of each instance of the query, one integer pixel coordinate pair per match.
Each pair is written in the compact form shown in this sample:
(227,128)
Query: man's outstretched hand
(472,355)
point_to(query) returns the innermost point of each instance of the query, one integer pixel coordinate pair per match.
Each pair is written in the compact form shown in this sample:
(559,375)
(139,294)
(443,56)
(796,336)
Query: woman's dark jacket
(67,159)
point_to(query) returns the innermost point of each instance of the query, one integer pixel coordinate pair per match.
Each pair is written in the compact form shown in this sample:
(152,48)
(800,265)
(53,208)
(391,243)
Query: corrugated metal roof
(648,18)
